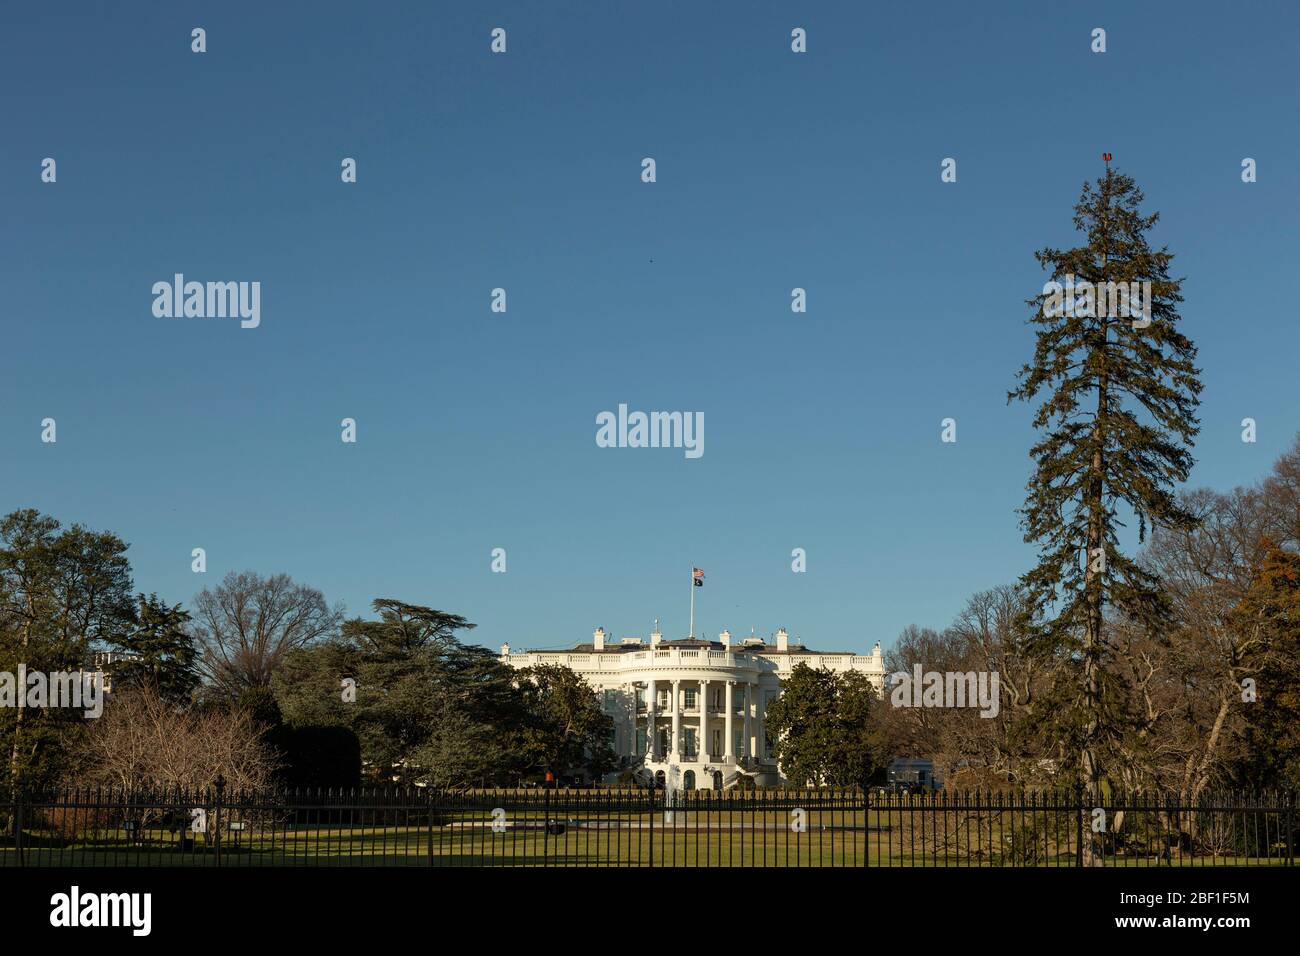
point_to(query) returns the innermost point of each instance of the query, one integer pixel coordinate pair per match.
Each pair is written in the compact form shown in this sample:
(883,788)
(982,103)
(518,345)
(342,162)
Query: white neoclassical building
(690,712)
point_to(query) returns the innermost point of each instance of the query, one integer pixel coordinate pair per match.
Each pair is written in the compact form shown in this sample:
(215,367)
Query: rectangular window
(611,701)
(690,699)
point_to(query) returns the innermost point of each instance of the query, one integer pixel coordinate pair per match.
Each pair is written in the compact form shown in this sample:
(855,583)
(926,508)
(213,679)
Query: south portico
(710,727)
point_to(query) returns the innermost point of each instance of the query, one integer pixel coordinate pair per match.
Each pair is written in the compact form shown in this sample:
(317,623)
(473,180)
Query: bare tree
(146,742)
(1187,679)
(249,623)
(987,638)
(969,748)
(915,731)
(1281,498)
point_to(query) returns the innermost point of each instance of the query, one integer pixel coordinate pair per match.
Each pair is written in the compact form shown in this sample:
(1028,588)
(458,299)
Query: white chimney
(505,650)
(598,639)
(782,640)
(876,650)
(655,636)
(725,638)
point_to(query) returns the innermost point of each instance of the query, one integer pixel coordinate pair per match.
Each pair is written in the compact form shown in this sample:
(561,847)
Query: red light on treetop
(1106,157)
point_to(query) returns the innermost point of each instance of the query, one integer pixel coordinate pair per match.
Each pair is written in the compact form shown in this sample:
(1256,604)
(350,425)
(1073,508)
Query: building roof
(612,647)
(616,648)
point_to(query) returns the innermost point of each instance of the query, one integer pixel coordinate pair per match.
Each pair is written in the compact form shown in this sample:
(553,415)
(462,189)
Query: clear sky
(476,430)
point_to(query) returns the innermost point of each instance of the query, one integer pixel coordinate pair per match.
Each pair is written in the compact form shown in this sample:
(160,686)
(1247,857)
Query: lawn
(830,838)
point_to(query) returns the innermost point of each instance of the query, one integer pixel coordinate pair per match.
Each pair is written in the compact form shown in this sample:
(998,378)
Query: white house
(690,711)
(101,665)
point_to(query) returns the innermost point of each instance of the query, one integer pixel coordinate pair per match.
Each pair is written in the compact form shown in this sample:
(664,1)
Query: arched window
(688,780)
(717,780)
(659,779)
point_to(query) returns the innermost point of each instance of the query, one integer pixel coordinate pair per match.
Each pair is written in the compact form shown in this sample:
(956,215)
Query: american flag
(698,575)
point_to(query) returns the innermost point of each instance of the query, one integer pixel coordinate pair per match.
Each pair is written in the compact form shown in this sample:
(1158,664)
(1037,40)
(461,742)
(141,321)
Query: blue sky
(522,171)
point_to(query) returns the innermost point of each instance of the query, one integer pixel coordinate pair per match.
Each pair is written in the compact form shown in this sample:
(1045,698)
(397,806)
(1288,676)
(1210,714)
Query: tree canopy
(824,727)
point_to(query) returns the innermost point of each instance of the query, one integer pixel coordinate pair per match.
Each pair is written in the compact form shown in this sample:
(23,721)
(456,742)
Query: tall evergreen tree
(161,651)
(1118,396)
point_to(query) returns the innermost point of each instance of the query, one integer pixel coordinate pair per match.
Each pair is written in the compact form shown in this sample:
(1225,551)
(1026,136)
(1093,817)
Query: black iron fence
(640,827)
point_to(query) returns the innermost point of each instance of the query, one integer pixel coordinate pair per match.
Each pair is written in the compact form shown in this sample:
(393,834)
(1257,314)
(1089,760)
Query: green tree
(564,727)
(309,722)
(62,592)
(427,708)
(824,727)
(1117,415)
(162,651)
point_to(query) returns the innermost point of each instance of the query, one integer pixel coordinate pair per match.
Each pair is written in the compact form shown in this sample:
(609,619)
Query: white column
(651,696)
(704,722)
(760,718)
(727,743)
(747,744)
(675,745)
(629,690)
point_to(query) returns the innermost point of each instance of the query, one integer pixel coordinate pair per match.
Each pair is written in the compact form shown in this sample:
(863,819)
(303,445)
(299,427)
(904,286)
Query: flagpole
(692,633)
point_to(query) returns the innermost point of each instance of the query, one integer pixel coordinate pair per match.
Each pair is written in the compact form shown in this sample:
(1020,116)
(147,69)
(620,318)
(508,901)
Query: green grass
(614,830)
(832,838)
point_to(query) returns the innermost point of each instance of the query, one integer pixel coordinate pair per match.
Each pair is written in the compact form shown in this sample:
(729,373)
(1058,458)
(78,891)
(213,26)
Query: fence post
(18,825)
(866,823)
(652,821)
(428,821)
(1078,827)
(546,824)
(1290,807)
(216,815)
